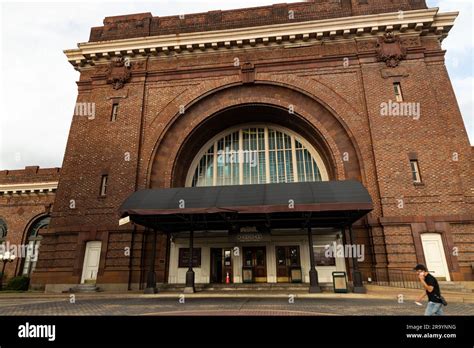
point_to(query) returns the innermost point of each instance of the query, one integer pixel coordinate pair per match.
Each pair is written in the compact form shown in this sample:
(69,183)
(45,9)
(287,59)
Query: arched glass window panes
(3,230)
(33,244)
(256,154)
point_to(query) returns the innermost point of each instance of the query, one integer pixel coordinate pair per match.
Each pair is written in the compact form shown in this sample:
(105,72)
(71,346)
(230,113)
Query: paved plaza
(139,305)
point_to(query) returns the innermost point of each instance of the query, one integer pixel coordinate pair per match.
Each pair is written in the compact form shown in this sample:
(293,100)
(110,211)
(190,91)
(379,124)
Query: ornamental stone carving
(390,50)
(118,72)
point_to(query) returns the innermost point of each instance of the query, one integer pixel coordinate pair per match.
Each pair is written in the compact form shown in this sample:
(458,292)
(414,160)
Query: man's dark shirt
(434,295)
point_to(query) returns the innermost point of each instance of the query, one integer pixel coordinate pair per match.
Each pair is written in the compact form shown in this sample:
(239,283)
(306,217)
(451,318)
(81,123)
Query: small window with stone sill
(114,115)
(415,172)
(398,91)
(103,185)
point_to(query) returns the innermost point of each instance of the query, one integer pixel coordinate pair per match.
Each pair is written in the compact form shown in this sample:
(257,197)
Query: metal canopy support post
(313,273)
(151,277)
(356,274)
(190,289)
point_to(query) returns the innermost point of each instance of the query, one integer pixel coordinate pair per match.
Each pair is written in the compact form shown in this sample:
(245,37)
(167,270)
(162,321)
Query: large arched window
(33,243)
(3,230)
(256,154)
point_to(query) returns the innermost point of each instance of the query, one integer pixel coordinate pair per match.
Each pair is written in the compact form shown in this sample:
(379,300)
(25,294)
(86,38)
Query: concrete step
(80,288)
(444,286)
(245,287)
(455,286)
(256,288)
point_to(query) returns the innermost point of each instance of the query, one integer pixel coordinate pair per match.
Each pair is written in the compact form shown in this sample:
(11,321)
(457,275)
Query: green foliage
(18,284)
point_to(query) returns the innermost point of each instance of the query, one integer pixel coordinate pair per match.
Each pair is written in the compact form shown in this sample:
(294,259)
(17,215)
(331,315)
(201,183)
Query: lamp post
(5,258)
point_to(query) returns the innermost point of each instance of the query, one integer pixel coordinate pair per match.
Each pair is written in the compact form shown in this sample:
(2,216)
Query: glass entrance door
(255,260)
(216,265)
(221,265)
(288,259)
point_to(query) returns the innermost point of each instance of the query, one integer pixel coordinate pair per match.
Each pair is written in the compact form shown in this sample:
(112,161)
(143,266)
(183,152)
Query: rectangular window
(415,171)
(113,117)
(398,91)
(184,257)
(103,185)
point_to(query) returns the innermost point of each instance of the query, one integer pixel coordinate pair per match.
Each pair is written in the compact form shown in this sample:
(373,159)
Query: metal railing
(400,278)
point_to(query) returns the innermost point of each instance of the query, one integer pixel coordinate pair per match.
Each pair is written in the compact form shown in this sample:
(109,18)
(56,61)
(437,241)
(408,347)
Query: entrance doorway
(91,262)
(434,255)
(288,264)
(221,265)
(255,260)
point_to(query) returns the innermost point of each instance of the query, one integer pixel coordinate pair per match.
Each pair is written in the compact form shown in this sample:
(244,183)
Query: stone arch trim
(341,108)
(184,135)
(24,238)
(30,224)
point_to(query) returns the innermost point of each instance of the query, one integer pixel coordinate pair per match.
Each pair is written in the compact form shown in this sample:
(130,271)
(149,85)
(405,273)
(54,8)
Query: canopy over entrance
(286,205)
(263,206)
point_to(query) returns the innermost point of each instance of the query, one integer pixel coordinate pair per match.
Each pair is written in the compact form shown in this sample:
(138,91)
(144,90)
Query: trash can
(339,281)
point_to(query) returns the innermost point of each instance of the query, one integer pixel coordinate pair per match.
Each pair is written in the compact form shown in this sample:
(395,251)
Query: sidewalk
(373,292)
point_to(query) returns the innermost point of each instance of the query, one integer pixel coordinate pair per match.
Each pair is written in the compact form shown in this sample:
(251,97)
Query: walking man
(431,286)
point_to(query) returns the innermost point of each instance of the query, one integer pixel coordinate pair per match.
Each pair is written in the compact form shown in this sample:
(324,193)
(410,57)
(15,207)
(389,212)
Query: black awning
(330,203)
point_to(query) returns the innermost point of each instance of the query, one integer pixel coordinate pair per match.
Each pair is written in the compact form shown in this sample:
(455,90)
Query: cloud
(37,89)
(464,88)
(460,56)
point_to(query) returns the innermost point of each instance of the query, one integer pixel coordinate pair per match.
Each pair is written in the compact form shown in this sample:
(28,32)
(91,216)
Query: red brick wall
(19,211)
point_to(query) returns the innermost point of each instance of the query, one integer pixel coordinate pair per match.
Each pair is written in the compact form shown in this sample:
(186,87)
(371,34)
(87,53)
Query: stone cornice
(41,187)
(420,22)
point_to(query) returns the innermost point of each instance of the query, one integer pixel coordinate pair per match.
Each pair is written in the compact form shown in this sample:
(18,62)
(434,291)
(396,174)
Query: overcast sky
(37,84)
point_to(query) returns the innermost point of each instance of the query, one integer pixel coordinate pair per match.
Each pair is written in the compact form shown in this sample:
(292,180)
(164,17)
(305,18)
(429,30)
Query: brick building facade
(26,200)
(162,88)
